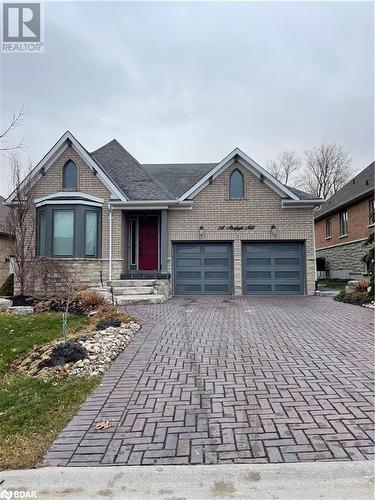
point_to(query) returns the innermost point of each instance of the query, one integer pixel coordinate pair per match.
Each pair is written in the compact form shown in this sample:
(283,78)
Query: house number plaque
(236,228)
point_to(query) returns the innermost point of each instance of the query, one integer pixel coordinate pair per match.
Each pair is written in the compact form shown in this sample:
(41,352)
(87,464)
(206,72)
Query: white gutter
(110,244)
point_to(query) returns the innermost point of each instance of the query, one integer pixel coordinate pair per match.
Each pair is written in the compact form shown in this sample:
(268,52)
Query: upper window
(371,212)
(69,180)
(236,185)
(328,228)
(343,223)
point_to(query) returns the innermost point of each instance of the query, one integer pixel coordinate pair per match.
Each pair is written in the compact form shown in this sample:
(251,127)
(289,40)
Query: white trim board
(246,161)
(51,156)
(69,194)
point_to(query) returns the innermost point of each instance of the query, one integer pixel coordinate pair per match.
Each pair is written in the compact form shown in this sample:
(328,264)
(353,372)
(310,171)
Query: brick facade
(89,269)
(212,208)
(260,207)
(343,254)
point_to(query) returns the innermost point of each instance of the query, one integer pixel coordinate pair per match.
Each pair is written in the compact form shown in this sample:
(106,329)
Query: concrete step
(133,290)
(327,293)
(126,283)
(123,300)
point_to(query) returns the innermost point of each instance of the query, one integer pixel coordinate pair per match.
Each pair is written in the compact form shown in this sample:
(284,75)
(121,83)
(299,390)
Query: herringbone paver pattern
(222,379)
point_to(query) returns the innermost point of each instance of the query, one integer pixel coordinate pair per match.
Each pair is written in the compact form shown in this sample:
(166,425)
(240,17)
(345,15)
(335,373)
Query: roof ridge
(104,145)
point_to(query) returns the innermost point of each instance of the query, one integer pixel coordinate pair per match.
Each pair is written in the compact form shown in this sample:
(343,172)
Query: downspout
(110,244)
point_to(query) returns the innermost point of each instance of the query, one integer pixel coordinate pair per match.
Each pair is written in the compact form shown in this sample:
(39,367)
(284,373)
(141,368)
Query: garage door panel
(273,268)
(207,269)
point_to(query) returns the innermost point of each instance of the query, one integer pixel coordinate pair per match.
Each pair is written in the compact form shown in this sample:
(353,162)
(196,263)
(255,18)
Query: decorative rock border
(102,348)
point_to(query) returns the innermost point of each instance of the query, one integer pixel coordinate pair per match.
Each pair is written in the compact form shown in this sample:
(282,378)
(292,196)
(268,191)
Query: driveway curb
(334,481)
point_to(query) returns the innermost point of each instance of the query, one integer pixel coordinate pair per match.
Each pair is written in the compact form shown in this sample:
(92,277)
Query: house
(5,243)
(204,228)
(342,225)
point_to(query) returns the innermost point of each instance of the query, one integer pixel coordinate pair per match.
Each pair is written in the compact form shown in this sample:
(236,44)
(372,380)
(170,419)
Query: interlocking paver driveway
(222,379)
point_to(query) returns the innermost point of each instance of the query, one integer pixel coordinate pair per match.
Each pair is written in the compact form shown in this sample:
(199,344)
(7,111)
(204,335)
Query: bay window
(68,231)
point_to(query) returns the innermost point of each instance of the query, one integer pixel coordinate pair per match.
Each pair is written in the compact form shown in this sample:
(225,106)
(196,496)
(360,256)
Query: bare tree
(19,223)
(285,168)
(15,121)
(327,169)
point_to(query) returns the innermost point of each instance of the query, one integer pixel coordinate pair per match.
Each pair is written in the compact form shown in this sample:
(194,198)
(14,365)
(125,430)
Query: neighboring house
(5,244)
(220,228)
(342,225)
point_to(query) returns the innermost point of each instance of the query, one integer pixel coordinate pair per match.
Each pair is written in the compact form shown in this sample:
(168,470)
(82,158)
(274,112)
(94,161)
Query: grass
(33,411)
(336,285)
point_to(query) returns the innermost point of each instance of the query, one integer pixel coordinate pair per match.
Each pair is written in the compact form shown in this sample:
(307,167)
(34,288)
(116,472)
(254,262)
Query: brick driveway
(222,379)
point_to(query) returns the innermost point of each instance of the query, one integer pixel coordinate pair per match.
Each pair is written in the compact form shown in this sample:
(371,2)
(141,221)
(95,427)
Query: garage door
(273,268)
(202,268)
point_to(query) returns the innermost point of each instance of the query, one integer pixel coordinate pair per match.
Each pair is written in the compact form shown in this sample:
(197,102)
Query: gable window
(69,175)
(328,228)
(371,212)
(343,223)
(236,185)
(69,231)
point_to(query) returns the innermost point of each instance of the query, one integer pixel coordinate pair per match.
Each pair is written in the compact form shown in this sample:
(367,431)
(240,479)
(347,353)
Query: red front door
(148,243)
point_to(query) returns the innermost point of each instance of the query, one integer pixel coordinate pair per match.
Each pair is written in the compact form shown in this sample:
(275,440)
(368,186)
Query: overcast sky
(180,82)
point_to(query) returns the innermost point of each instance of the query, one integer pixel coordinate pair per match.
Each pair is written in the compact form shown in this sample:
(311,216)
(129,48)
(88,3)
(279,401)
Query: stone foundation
(344,261)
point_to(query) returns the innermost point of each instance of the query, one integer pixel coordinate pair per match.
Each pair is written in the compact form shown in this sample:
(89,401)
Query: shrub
(361,286)
(64,353)
(105,323)
(109,311)
(90,300)
(7,288)
(352,298)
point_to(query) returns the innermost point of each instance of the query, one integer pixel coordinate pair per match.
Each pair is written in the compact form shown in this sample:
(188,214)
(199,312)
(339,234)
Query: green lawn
(336,285)
(33,411)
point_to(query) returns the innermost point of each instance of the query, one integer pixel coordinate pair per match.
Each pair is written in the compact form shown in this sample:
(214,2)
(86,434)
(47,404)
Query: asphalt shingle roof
(167,181)
(179,177)
(359,186)
(128,174)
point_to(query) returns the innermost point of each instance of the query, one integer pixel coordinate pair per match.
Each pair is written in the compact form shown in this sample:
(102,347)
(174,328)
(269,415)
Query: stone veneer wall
(344,261)
(87,269)
(260,207)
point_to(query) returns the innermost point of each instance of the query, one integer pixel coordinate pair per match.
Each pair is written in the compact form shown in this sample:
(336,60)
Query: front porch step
(133,290)
(128,283)
(123,300)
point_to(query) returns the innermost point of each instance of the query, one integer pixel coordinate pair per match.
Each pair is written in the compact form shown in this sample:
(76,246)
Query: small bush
(7,288)
(361,286)
(352,298)
(109,311)
(106,323)
(64,353)
(90,300)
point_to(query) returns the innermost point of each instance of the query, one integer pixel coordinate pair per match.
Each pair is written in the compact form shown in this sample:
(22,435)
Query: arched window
(236,185)
(69,176)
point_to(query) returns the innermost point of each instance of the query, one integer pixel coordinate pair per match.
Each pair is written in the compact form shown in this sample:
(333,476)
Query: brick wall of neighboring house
(88,269)
(343,255)
(5,250)
(260,207)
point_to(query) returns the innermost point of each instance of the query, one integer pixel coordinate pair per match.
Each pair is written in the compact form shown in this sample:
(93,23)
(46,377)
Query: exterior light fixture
(201,232)
(273,231)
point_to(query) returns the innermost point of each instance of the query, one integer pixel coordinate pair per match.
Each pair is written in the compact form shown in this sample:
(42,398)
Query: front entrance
(144,242)
(148,242)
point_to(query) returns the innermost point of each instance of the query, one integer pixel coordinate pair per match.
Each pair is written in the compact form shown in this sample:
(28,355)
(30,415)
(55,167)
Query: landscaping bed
(41,390)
